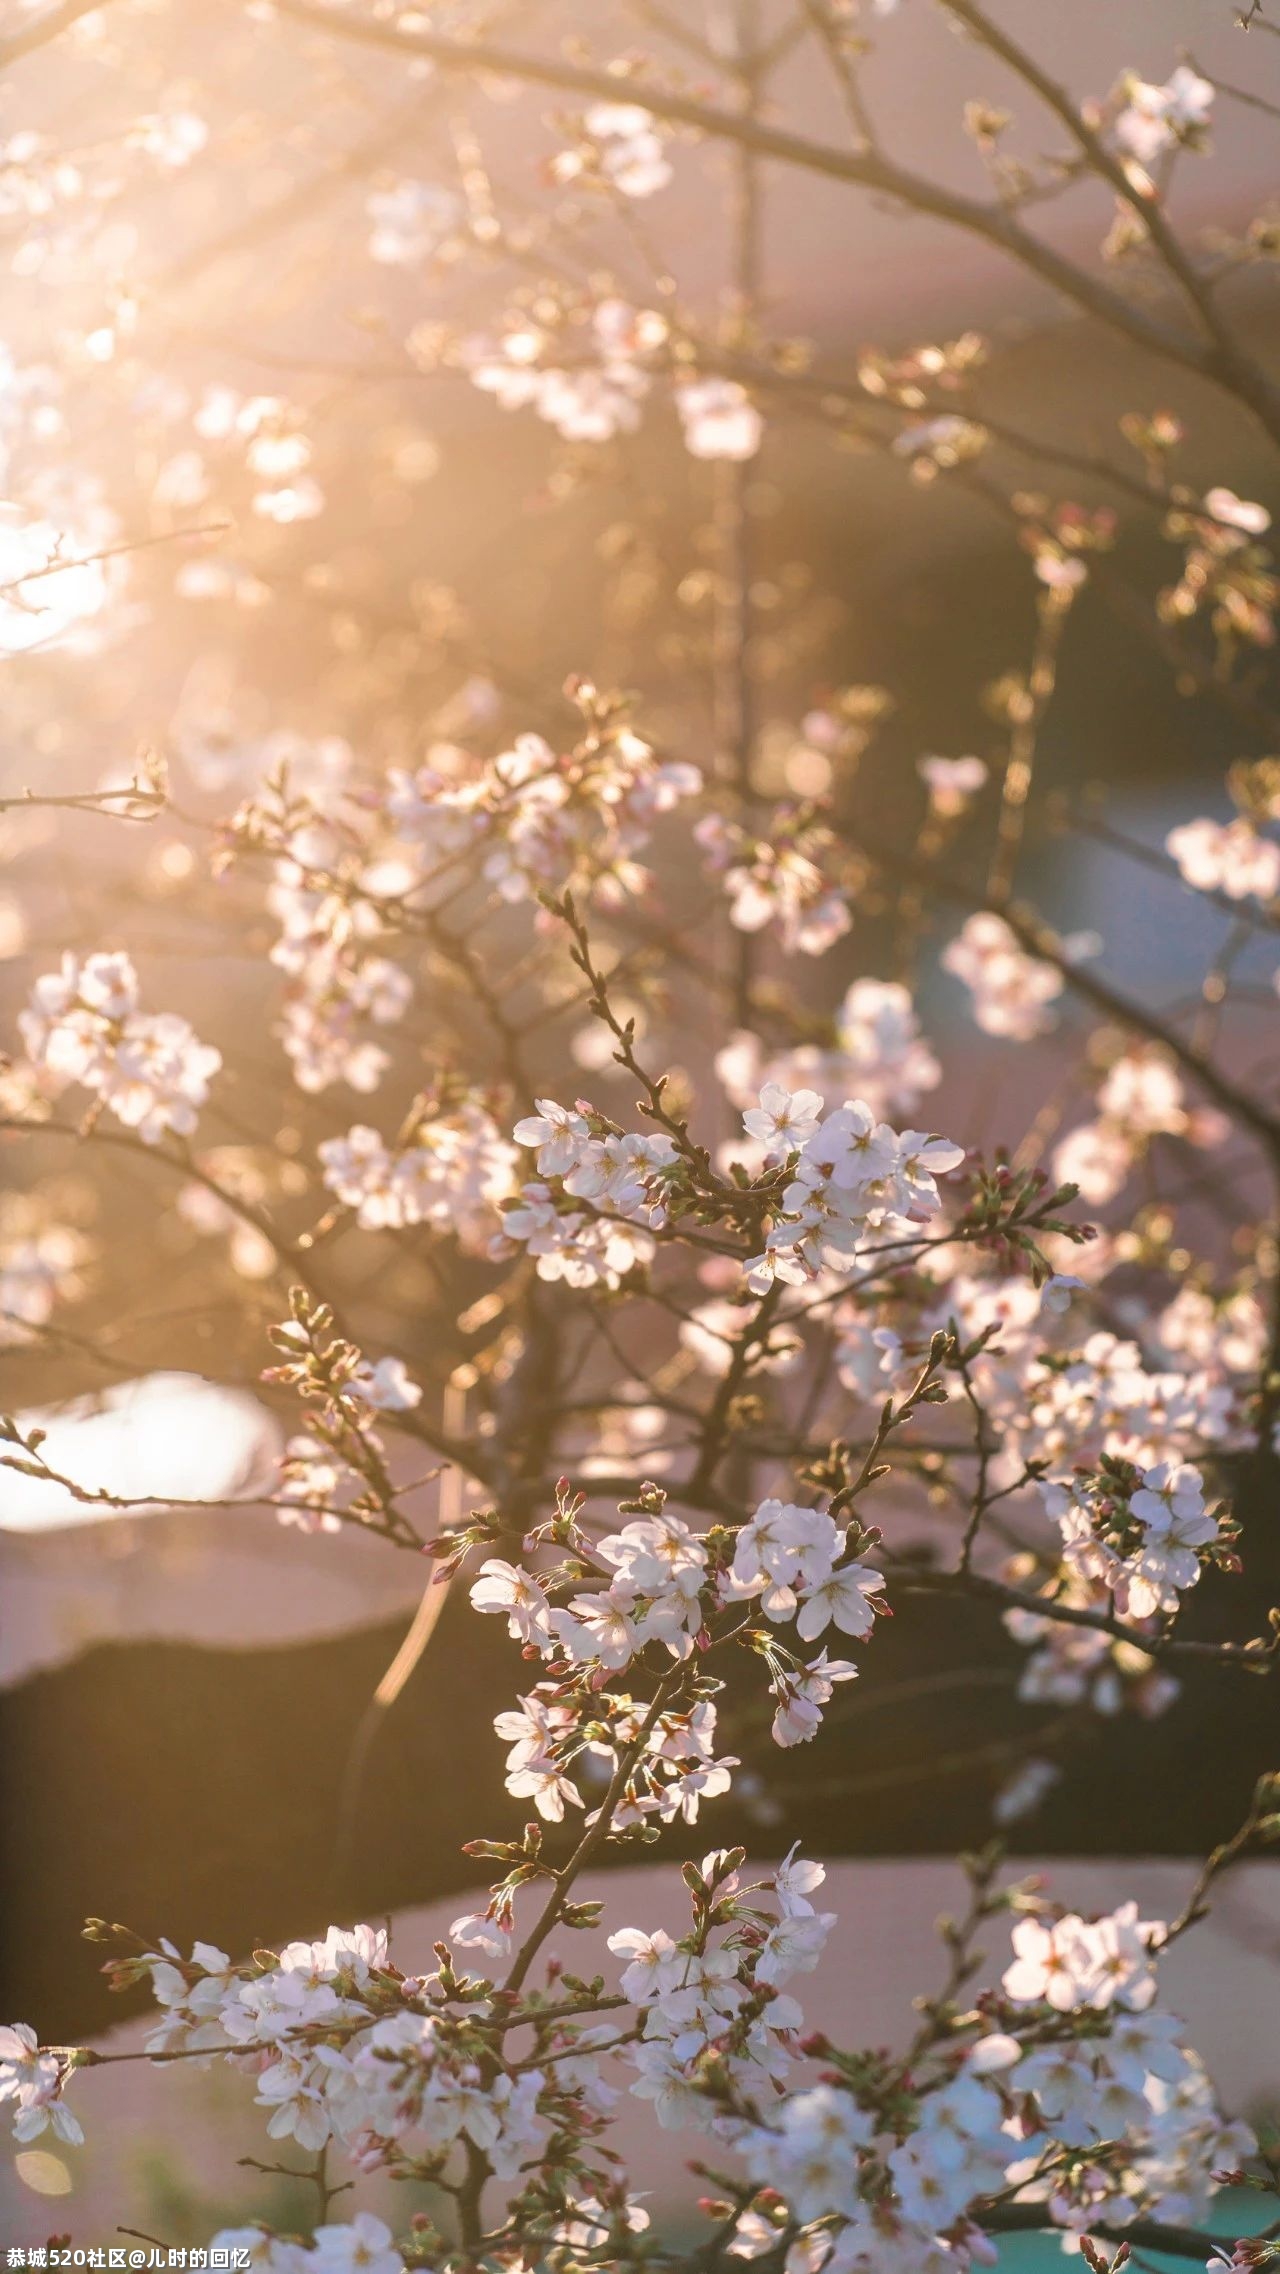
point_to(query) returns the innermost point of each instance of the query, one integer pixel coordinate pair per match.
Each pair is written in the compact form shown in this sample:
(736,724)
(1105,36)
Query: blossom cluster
(1013,992)
(540,821)
(850,1173)
(148,1068)
(43,1263)
(876,1049)
(621,1177)
(597,391)
(789,880)
(33,2080)
(359,866)
(664,1586)
(1142,1540)
(1063,2085)
(453,1174)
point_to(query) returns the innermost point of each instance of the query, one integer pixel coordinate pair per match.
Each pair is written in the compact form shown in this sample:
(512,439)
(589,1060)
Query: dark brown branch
(1258,1657)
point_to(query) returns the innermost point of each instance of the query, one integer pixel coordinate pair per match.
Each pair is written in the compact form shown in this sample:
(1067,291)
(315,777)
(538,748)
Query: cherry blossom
(951,783)
(1231,859)
(147,1068)
(1012,991)
(1156,118)
(719,419)
(631,153)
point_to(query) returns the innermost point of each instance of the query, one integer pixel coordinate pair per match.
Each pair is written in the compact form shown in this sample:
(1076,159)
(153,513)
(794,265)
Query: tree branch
(860,168)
